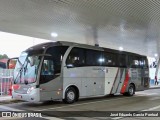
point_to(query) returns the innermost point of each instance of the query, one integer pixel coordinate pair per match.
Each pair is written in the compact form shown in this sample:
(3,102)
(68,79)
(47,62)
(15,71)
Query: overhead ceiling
(133,24)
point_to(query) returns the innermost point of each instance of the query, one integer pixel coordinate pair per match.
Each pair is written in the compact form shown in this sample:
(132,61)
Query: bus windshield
(26,68)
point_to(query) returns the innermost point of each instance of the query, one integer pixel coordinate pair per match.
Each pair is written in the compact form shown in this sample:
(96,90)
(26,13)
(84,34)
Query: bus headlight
(30,90)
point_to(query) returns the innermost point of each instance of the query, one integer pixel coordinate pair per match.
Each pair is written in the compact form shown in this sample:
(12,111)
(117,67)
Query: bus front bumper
(30,97)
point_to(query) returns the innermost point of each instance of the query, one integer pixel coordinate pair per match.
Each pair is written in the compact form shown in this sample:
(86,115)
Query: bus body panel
(51,90)
(72,76)
(119,79)
(110,77)
(93,81)
(89,80)
(137,77)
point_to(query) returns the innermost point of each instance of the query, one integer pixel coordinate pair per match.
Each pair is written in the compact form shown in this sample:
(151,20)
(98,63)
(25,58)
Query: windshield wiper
(19,74)
(25,67)
(20,71)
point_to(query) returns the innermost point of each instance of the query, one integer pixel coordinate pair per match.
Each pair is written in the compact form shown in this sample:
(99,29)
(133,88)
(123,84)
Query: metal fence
(6,76)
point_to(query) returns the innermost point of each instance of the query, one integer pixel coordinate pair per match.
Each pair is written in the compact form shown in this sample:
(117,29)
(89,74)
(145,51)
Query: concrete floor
(87,109)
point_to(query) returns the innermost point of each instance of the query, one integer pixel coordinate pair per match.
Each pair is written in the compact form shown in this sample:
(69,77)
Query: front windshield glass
(26,68)
(18,67)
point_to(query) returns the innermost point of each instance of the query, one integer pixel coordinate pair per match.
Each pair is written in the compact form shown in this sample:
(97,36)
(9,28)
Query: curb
(155,87)
(7,101)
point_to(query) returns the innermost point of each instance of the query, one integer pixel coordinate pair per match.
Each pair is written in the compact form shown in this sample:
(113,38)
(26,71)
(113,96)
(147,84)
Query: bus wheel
(131,90)
(70,95)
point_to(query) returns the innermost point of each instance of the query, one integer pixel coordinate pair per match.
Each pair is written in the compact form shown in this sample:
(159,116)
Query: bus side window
(145,62)
(57,53)
(76,58)
(109,59)
(122,60)
(93,58)
(134,61)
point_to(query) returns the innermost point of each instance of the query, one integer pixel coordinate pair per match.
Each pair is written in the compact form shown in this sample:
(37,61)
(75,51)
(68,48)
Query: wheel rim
(131,90)
(71,95)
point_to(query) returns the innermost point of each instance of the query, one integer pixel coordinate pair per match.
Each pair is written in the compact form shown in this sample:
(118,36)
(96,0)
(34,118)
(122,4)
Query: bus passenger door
(145,73)
(145,79)
(49,80)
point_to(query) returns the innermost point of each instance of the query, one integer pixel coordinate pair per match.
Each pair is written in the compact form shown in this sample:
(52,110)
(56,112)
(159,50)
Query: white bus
(70,71)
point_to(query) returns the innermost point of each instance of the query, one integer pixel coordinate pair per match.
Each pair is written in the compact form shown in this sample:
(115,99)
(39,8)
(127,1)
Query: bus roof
(65,43)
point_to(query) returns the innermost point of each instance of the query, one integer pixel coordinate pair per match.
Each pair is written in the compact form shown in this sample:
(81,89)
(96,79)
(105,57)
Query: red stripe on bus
(114,80)
(125,83)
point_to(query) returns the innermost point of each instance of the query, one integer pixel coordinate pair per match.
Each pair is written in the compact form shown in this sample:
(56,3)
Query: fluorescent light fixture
(120,48)
(54,34)
(155,54)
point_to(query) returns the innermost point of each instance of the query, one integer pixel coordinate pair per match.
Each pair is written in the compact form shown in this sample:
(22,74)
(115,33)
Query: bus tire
(70,95)
(131,90)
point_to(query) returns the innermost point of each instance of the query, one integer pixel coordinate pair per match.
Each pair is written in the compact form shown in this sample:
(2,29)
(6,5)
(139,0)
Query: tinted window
(76,58)
(134,61)
(144,62)
(110,59)
(84,57)
(57,53)
(47,70)
(52,64)
(94,58)
(47,67)
(121,60)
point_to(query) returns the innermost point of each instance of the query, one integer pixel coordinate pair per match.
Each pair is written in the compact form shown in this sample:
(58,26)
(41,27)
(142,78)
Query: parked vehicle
(6,75)
(8,63)
(70,71)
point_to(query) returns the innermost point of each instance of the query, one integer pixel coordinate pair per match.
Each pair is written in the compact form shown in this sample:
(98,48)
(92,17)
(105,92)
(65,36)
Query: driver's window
(47,70)
(47,67)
